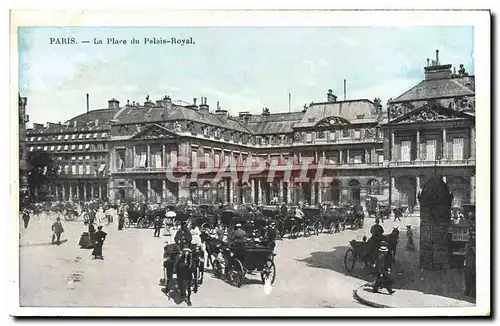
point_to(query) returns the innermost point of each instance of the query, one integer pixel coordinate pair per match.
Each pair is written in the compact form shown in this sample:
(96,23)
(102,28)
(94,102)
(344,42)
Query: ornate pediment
(430,113)
(154,132)
(332,122)
(397,110)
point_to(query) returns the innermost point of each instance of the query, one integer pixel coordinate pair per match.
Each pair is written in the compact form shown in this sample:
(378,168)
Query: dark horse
(183,266)
(392,240)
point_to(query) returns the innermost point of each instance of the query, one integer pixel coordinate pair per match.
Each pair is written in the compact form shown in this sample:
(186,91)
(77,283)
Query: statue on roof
(462,72)
(147,98)
(176,127)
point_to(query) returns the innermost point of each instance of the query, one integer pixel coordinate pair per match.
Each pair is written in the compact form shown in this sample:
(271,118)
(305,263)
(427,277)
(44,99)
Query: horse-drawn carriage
(255,258)
(366,251)
(352,215)
(205,217)
(188,266)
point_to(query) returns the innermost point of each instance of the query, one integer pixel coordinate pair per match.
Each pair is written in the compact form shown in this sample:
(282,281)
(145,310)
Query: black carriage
(332,219)
(313,220)
(353,216)
(205,216)
(255,258)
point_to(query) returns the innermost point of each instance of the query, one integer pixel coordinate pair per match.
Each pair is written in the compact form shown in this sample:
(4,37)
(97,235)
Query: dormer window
(345,132)
(259,141)
(308,137)
(206,131)
(320,134)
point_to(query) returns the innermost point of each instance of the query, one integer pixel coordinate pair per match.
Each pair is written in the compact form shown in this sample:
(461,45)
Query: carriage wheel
(331,227)
(342,226)
(141,223)
(127,223)
(293,232)
(196,278)
(217,268)
(237,273)
(318,228)
(350,260)
(268,272)
(69,217)
(206,227)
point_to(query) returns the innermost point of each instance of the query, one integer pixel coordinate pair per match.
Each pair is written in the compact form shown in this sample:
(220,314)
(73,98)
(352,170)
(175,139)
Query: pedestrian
(57,229)
(410,245)
(158,222)
(91,229)
(99,216)
(121,218)
(98,241)
(397,214)
(383,277)
(26,218)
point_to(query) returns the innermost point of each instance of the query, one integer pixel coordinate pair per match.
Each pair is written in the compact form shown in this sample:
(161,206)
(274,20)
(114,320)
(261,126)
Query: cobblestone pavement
(310,272)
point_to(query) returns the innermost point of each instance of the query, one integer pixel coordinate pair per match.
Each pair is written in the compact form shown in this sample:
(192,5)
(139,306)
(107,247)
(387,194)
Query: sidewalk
(405,299)
(415,287)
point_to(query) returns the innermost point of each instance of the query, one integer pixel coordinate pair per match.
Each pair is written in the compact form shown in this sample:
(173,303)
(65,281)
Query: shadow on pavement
(42,244)
(406,272)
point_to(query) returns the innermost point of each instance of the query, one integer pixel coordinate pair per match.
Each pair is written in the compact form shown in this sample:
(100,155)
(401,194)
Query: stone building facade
(79,150)
(23,153)
(165,152)
(431,131)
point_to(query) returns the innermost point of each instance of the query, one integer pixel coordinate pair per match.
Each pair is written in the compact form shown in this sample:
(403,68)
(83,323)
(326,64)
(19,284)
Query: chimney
(167,99)
(203,105)
(330,97)
(37,126)
(437,70)
(265,112)
(221,112)
(113,104)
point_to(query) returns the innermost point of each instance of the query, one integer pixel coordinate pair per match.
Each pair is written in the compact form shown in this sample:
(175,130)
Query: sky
(243,68)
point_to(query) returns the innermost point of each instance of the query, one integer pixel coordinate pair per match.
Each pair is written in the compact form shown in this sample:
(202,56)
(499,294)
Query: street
(310,272)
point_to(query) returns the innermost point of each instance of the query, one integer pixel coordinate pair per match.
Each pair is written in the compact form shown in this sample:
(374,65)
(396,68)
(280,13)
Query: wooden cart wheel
(268,272)
(332,227)
(237,273)
(217,268)
(294,232)
(350,260)
(127,222)
(139,222)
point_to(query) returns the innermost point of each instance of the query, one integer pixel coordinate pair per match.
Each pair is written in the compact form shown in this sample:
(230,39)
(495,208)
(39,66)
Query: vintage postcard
(258,163)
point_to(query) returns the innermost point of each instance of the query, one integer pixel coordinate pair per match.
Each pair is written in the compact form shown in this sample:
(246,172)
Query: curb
(372,304)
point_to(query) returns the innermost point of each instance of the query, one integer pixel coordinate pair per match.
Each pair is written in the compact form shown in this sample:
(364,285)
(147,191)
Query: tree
(40,167)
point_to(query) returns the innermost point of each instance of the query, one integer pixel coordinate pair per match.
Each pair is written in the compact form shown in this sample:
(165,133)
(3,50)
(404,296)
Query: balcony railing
(468,162)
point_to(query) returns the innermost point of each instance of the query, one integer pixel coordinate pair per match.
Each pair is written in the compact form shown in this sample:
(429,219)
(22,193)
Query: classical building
(23,168)
(332,150)
(431,131)
(79,150)
(340,138)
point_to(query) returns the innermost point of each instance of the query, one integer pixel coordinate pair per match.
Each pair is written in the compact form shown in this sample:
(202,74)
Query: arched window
(374,188)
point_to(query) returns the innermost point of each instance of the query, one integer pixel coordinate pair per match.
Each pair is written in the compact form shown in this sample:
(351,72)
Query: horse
(184,271)
(392,240)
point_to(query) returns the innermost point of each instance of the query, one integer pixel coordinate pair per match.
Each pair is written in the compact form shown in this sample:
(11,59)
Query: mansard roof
(354,111)
(276,123)
(173,112)
(438,88)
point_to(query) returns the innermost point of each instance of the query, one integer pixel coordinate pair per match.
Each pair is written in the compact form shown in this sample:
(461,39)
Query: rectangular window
(358,158)
(59,147)
(80,147)
(80,169)
(73,147)
(87,146)
(430,148)
(73,136)
(73,169)
(95,135)
(87,169)
(320,134)
(458,149)
(345,132)
(52,148)
(66,137)
(381,158)
(66,147)
(357,134)
(59,137)
(45,148)
(120,159)
(104,135)
(217,160)
(80,136)
(406,150)
(194,160)
(309,137)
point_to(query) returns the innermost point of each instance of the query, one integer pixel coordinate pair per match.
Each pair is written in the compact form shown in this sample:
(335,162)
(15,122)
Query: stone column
(444,178)
(78,191)
(257,191)
(367,157)
(316,156)
(288,186)
(473,189)
(362,197)
(63,192)
(472,143)
(323,157)
(231,191)
(91,191)
(148,191)
(340,156)
(280,195)
(163,156)
(393,191)
(320,191)
(84,191)
(252,190)
(70,187)
(148,157)
(444,146)
(417,179)
(417,141)
(164,190)
(348,156)
(393,145)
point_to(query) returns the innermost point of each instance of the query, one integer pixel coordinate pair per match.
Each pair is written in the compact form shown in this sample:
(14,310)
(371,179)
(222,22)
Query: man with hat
(57,230)
(98,241)
(183,237)
(382,265)
(237,243)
